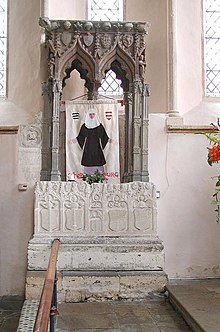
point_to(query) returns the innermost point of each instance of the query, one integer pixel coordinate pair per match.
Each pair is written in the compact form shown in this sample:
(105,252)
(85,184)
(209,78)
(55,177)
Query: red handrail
(43,313)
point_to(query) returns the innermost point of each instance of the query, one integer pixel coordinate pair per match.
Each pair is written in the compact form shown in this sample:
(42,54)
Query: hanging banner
(92,140)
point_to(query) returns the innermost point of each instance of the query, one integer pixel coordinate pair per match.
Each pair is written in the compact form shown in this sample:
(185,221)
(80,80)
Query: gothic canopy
(94,47)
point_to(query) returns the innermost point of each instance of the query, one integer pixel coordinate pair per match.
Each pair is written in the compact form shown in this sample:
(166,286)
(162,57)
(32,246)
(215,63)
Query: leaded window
(212,47)
(110,85)
(3,46)
(106,10)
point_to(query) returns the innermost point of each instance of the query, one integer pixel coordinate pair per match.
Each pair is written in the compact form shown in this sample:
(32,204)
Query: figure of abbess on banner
(92,141)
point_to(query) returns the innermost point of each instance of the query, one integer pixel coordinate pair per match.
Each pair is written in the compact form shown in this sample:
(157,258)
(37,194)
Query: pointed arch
(76,58)
(121,63)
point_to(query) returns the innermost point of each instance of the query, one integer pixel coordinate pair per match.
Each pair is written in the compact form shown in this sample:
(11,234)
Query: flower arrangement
(214,157)
(97,177)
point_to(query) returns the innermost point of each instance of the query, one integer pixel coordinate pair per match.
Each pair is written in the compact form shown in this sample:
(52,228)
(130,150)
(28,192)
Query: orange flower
(214,154)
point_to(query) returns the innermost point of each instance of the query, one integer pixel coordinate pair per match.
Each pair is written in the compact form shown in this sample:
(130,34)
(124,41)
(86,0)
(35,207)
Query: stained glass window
(212,47)
(3,46)
(106,10)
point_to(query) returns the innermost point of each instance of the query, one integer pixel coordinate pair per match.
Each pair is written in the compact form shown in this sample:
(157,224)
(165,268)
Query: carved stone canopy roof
(94,47)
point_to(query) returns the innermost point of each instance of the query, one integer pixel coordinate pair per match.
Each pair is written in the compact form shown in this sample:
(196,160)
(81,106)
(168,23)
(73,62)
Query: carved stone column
(128,99)
(44,8)
(47,92)
(172,65)
(57,89)
(144,133)
(136,129)
(136,155)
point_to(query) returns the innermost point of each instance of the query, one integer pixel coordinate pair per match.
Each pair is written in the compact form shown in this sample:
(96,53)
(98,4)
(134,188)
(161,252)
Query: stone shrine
(109,244)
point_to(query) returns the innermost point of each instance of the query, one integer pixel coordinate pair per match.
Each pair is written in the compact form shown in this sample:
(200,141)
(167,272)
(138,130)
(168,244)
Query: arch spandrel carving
(127,66)
(67,60)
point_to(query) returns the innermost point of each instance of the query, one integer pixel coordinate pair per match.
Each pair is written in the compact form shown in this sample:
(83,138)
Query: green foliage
(212,138)
(214,157)
(97,177)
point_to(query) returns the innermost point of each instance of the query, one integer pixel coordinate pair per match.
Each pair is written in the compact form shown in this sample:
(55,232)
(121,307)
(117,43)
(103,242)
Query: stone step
(81,286)
(198,301)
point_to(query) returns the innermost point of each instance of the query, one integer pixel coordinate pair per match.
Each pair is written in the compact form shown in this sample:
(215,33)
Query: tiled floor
(10,308)
(28,316)
(152,315)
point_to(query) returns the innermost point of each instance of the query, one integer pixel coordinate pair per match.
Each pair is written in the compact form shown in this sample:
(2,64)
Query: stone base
(99,253)
(78,286)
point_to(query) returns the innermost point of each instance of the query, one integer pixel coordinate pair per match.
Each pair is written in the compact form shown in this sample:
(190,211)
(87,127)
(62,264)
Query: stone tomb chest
(109,244)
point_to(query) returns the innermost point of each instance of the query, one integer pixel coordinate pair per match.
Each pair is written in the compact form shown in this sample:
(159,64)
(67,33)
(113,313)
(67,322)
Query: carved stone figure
(105,40)
(142,67)
(127,40)
(51,65)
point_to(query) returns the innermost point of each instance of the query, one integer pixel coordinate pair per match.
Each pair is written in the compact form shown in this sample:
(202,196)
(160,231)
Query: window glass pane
(111,85)
(106,10)
(3,46)
(212,47)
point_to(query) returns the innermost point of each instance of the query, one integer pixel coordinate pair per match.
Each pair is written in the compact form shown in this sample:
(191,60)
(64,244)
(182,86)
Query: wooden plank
(8,130)
(191,129)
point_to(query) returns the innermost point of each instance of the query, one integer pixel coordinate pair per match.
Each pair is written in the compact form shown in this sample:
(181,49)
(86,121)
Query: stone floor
(10,308)
(198,301)
(151,315)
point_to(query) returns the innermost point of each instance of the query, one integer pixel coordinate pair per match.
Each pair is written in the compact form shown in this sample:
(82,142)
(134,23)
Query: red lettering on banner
(78,175)
(111,174)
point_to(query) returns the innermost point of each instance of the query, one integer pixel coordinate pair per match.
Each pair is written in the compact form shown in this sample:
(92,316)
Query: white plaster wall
(24,80)
(69,9)
(189,54)
(20,108)
(154,12)
(186,221)
(16,222)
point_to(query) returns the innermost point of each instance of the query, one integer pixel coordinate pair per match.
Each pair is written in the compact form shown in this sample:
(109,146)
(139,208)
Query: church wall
(20,162)
(69,9)
(16,222)
(154,12)
(24,80)
(189,54)
(186,220)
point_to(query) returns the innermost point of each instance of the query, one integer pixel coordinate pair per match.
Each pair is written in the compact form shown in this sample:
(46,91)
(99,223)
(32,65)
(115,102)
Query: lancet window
(212,47)
(107,11)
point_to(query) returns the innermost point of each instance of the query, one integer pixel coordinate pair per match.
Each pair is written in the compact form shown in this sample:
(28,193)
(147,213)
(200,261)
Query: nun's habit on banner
(92,141)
